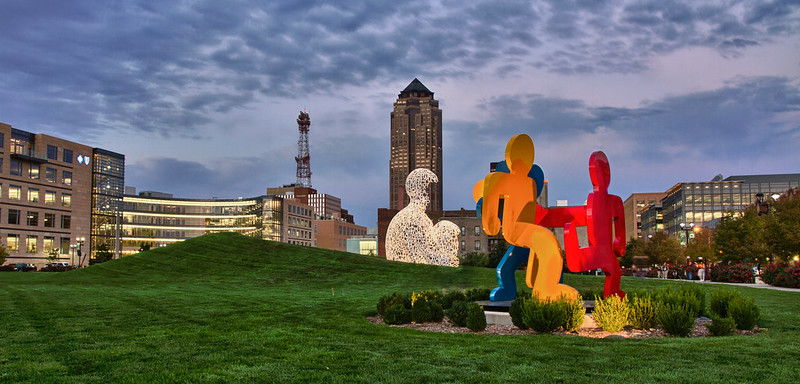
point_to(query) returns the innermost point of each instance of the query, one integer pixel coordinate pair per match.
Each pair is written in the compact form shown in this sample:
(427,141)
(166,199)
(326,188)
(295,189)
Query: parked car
(58,264)
(22,267)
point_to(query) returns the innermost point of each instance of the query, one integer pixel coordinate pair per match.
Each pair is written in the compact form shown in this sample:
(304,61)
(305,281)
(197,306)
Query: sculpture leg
(506,282)
(613,276)
(544,269)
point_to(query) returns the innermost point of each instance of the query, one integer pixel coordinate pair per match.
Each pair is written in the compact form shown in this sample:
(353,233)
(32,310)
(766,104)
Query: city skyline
(202,98)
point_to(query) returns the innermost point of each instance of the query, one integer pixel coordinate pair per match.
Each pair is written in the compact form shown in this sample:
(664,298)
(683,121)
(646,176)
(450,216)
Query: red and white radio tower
(303,158)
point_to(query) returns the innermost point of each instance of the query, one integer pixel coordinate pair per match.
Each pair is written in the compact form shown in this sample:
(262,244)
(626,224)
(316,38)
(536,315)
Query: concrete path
(758,284)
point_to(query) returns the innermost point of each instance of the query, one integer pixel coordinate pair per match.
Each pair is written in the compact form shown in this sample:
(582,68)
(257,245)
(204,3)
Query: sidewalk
(756,285)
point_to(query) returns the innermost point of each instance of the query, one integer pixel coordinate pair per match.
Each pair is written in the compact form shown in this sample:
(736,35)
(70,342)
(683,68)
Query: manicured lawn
(226,308)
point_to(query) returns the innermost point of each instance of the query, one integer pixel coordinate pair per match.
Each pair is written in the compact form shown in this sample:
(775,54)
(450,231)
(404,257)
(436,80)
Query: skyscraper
(416,143)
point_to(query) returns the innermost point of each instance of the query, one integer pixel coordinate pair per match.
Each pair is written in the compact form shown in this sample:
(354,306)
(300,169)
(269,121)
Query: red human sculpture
(605,221)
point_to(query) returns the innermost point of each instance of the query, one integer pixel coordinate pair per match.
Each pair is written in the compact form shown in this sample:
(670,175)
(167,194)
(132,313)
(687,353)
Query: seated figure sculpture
(518,191)
(412,237)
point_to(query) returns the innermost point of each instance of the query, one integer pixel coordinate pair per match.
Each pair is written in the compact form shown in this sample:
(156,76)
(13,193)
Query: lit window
(47,243)
(15,192)
(33,171)
(30,243)
(12,243)
(49,197)
(66,177)
(66,199)
(33,195)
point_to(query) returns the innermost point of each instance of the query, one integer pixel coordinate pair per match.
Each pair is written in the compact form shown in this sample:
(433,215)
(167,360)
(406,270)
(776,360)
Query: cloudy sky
(202,96)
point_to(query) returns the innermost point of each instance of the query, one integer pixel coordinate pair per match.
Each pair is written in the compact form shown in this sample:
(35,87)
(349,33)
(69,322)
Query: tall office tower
(416,143)
(303,158)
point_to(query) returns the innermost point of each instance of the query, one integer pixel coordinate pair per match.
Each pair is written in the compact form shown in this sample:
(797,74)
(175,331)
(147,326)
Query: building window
(65,245)
(463,231)
(13,216)
(66,155)
(477,230)
(50,220)
(66,221)
(66,177)
(33,195)
(16,168)
(463,245)
(30,243)
(15,192)
(33,219)
(50,197)
(47,243)
(33,171)
(477,245)
(1,162)
(50,174)
(66,199)
(2,139)
(52,152)
(12,242)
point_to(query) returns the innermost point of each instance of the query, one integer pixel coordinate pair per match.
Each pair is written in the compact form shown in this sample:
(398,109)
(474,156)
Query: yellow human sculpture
(518,192)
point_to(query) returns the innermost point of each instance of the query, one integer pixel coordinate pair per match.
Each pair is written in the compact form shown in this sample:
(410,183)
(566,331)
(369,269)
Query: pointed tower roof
(416,88)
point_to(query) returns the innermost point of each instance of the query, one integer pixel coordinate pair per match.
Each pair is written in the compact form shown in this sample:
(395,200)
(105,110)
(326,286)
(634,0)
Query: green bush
(675,319)
(744,312)
(429,295)
(474,259)
(426,311)
(611,313)
(590,294)
(574,313)
(719,300)
(681,297)
(397,314)
(476,318)
(643,312)
(451,297)
(516,311)
(543,316)
(390,300)
(721,326)
(458,313)
(478,294)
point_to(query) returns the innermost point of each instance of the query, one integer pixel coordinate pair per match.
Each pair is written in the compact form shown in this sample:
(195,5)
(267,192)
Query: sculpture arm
(491,203)
(619,227)
(560,216)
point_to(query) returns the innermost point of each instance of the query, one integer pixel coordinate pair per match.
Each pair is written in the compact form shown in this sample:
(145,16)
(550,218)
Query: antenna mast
(303,158)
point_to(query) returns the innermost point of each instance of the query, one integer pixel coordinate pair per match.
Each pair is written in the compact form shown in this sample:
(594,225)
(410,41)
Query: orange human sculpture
(605,223)
(518,192)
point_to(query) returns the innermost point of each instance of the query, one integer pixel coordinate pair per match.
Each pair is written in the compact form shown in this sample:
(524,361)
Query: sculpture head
(417,184)
(520,154)
(599,171)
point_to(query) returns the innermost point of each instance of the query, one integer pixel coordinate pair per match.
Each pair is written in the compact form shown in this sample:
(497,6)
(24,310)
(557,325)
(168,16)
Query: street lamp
(80,241)
(686,228)
(72,258)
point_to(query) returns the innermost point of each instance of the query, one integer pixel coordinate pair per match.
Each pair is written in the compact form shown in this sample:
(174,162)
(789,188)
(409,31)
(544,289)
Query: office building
(56,197)
(334,234)
(633,206)
(416,142)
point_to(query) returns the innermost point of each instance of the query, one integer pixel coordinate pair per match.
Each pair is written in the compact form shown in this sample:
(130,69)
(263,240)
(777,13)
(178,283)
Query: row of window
(34,195)
(31,245)
(478,231)
(298,233)
(477,245)
(32,219)
(34,172)
(52,154)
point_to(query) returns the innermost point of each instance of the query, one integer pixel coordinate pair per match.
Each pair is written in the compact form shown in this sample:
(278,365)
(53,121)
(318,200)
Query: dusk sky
(202,96)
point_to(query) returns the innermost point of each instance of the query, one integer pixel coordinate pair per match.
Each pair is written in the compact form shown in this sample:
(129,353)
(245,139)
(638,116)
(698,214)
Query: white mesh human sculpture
(412,237)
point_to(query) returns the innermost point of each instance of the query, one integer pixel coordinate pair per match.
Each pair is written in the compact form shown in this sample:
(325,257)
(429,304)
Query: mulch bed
(589,329)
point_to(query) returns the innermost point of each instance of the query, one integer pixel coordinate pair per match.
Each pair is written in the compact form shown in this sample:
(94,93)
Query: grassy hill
(227,308)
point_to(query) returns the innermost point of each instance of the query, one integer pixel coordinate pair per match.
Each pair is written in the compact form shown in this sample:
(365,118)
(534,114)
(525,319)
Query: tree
(52,256)
(701,247)
(497,253)
(103,253)
(782,226)
(738,239)
(664,249)
(3,254)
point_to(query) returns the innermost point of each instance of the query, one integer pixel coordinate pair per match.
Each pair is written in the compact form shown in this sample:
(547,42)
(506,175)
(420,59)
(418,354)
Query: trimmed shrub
(543,316)
(733,273)
(478,294)
(429,296)
(474,259)
(390,300)
(681,297)
(676,319)
(426,311)
(516,311)
(719,300)
(458,313)
(611,313)
(397,314)
(744,312)
(643,312)
(451,297)
(590,294)
(781,274)
(476,318)
(574,313)
(721,326)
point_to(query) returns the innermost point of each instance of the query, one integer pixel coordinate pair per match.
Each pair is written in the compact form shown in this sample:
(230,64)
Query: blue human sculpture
(506,281)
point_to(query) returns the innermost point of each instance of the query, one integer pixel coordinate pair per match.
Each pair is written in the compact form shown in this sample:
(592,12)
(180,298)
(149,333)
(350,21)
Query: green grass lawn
(227,308)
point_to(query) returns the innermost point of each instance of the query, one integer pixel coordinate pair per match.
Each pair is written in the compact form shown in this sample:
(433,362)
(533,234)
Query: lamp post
(80,241)
(72,258)
(686,228)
